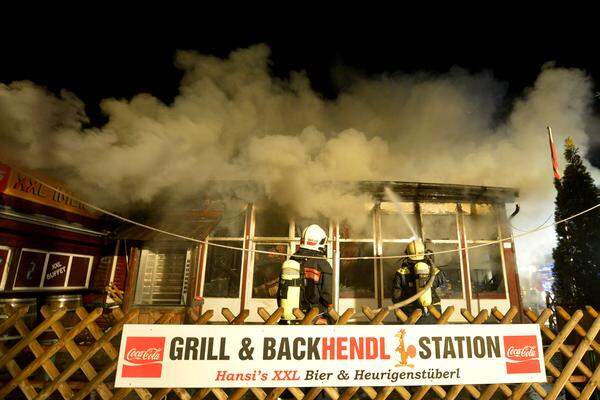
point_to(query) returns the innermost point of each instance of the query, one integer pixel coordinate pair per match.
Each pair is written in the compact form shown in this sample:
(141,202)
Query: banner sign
(203,356)
(17,184)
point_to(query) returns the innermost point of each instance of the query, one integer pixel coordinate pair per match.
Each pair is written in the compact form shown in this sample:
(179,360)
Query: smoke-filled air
(233,121)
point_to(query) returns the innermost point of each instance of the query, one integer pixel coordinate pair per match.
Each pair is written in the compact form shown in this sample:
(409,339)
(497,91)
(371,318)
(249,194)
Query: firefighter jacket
(405,281)
(316,278)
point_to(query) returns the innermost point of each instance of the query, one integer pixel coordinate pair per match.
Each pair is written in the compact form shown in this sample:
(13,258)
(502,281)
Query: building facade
(52,249)
(52,245)
(462,223)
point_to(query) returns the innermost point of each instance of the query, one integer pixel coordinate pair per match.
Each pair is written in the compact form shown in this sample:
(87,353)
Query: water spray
(394,198)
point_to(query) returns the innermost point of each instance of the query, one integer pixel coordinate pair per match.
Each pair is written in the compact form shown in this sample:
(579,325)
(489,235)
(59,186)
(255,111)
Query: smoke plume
(233,121)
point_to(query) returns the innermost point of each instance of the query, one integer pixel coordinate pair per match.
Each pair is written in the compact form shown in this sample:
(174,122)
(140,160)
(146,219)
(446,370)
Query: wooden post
(132,273)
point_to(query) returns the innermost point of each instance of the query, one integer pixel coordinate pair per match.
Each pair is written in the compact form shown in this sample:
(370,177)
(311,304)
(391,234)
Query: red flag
(553,155)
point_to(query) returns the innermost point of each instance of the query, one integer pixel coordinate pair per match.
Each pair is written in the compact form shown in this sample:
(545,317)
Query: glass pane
(223,268)
(486,271)
(449,264)
(439,226)
(302,223)
(356,276)
(267,268)
(231,224)
(271,222)
(398,226)
(161,275)
(363,230)
(481,226)
(390,265)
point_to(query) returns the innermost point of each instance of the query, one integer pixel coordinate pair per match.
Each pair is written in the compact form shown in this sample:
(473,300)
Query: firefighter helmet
(416,250)
(313,238)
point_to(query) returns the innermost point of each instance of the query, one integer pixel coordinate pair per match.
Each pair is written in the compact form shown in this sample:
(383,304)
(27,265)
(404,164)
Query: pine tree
(577,254)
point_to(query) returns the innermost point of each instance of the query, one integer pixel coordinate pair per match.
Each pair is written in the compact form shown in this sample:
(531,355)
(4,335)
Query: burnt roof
(191,223)
(441,191)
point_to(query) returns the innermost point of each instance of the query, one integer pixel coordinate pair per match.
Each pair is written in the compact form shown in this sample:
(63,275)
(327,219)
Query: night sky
(120,56)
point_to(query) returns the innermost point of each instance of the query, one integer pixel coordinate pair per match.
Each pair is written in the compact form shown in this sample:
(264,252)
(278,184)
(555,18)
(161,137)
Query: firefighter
(305,279)
(412,274)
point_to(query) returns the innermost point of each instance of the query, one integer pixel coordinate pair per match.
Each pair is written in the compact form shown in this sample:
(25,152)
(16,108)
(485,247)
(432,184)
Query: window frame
(485,295)
(185,281)
(205,262)
(359,239)
(291,240)
(252,268)
(420,208)
(456,241)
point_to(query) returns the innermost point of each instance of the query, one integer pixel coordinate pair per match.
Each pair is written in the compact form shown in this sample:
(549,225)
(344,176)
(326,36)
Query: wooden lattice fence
(81,361)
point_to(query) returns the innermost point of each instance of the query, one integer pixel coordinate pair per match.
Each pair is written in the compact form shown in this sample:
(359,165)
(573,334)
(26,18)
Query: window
(231,224)
(362,231)
(5,253)
(439,226)
(267,268)
(222,266)
(272,225)
(480,222)
(223,270)
(163,275)
(39,269)
(449,264)
(487,278)
(271,222)
(398,226)
(485,263)
(356,276)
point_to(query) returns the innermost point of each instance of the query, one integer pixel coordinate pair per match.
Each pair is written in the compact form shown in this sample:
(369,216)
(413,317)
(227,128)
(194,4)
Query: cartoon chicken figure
(405,353)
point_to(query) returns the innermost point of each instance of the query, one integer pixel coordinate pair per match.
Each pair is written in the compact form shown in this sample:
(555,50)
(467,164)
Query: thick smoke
(233,121)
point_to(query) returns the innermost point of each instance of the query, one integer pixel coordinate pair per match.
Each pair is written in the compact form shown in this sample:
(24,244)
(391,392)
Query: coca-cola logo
(522,354)
(143,357)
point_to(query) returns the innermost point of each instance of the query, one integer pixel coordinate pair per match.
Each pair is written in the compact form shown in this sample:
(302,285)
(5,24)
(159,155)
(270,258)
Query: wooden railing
(82,359)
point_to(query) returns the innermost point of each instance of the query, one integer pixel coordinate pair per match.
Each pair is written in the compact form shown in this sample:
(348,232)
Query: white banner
(203,356)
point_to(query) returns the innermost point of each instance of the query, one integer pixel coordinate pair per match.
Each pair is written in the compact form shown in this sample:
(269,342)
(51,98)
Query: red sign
(4,175)
(56,271)
(23,186)
(29,271)
(143,357)
(522,354)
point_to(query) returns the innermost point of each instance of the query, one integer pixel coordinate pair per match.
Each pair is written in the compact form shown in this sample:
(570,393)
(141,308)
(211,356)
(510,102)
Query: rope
(542,224)
(208,243)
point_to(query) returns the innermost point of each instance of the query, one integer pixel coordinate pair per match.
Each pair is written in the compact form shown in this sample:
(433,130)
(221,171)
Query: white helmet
(416,250)
(313,238)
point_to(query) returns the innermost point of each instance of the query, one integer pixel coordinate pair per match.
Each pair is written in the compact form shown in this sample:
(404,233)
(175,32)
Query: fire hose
(415,296)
